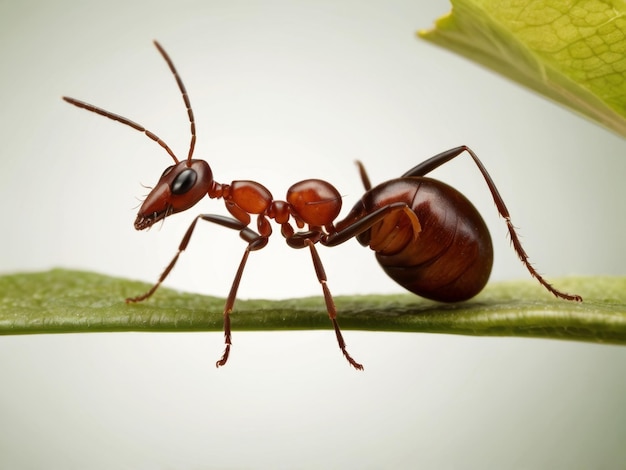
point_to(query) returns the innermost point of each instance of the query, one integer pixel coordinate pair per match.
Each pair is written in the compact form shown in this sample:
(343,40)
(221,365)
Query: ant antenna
(183,90)
(139,127)
(123,120)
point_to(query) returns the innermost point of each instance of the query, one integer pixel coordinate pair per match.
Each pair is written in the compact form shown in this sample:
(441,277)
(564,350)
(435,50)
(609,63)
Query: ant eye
(184,181)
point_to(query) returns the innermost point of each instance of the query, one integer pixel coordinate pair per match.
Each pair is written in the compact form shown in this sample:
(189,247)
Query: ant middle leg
(255,242)
(330,303)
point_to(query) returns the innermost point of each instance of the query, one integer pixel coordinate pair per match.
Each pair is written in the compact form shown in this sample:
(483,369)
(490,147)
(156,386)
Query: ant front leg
(255,242)
(246,234)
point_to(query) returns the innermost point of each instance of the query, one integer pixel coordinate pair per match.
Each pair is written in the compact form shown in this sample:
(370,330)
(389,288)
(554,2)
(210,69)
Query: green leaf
(62,301)
(572,51)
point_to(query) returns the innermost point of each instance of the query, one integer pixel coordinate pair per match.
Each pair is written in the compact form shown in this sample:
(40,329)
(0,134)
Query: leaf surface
(63,301)
(572,51)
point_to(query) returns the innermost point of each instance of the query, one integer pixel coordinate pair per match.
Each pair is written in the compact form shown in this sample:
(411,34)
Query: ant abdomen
(449,259)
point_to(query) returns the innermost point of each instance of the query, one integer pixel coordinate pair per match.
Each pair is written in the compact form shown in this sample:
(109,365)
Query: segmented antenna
(183,90)
(139,127)
(123,120)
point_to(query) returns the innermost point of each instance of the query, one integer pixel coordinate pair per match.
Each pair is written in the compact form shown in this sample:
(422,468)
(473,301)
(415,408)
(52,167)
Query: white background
(282,91)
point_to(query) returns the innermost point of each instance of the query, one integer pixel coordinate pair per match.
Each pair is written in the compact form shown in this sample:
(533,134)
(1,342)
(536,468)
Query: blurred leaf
(62,301)
(572,51)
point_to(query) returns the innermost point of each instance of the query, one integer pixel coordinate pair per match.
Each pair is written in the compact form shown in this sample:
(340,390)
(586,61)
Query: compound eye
(184,181)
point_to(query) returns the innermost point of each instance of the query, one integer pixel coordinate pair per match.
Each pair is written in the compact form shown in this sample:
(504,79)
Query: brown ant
(427,236)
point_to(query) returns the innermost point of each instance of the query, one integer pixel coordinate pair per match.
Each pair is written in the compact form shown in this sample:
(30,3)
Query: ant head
(180,187)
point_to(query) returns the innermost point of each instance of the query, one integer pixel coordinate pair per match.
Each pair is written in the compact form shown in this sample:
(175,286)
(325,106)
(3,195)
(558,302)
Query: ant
(427,236)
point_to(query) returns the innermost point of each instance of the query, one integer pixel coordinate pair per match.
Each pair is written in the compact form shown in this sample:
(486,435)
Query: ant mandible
(427,236)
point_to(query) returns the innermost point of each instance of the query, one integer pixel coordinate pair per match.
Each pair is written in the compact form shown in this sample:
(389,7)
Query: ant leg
(217,219)
(420,170)
(330,303)
(255,242)
(434,162)
(228,308)
(355,224)
(438,160)
(364,178)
